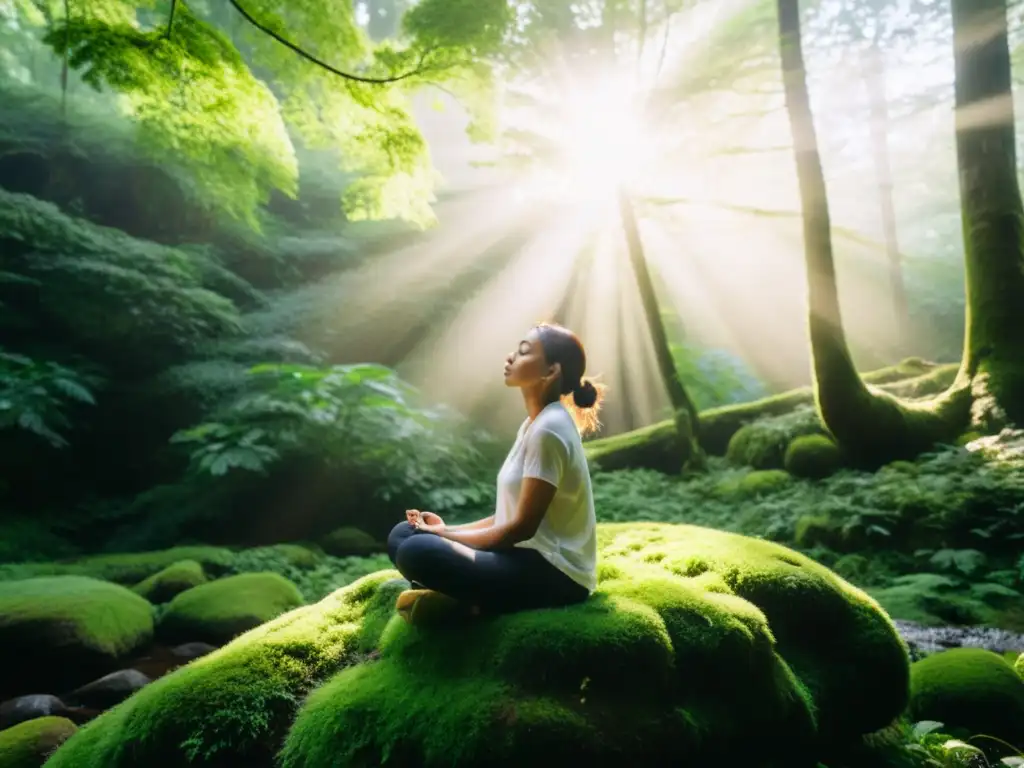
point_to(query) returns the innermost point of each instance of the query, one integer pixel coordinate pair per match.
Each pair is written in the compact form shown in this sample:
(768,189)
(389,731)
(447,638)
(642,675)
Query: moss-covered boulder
(813,457)
(699,645)
(28,744)
(171,581)
(220,610)
(762,444)
(1019,666)
(61,631)
(347,541)
(970,689)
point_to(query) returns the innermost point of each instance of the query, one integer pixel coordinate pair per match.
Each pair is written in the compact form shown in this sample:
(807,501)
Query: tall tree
(870,425)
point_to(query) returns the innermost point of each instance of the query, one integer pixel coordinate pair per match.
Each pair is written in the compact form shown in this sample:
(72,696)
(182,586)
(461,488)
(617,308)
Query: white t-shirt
(549,448)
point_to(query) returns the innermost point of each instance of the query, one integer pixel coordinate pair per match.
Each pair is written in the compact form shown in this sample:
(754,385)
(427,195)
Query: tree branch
(170,20)
(417,70)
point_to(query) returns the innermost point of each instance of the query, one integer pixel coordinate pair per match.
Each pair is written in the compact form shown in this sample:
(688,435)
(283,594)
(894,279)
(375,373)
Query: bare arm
(486,522)
(534,500)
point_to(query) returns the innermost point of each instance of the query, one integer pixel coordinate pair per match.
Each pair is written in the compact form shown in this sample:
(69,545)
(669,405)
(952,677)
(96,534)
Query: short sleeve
(546,456)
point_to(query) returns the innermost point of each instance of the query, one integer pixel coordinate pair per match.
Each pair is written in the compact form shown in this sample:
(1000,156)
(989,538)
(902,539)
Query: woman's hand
(418,519)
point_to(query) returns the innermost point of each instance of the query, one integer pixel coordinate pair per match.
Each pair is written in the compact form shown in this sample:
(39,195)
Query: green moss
(171,581)
(698,644)
(1019,666)
(814,457)
(125,568)
(968,437)
(818,530)
(755,484)
(218,611)
(972,689)
(27,744)
(653,447)
(347,541)
(233,706)
(762,444)
(65,630)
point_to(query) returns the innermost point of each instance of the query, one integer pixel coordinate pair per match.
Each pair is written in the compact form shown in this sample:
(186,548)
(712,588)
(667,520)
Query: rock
(923,640)
(14,711)
(108,690)
(700,647)
(188,651)
(172,580)
(28,744)
(972,689)
(62,631)
(347,541)
(220,610)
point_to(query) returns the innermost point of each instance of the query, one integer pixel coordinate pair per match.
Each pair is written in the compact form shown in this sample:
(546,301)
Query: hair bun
(585,395)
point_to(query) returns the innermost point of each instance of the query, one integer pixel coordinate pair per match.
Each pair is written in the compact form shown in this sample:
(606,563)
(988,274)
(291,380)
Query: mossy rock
(970,689)
(220,610)
(1019,666)
(762,444)
(813,457)
(28,744)
(700,647)
(819,530)
(126,568)
(57,632)
(756,484)
(348,541)
(171,581)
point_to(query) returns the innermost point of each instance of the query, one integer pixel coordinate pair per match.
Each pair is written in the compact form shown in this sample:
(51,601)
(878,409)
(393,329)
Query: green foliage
(715,377)
(192,96)
(36,395)
(356,419)
(171,581)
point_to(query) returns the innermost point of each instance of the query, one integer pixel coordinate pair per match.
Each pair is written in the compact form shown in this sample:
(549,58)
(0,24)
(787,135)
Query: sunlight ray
(461,362)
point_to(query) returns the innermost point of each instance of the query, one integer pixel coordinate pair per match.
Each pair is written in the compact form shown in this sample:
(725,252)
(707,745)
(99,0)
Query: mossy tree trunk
(878,104)
(684,411)
(871,426)
(993,216)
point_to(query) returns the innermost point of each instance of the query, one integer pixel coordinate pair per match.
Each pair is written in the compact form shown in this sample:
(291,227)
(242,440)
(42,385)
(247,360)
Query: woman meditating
(539,548)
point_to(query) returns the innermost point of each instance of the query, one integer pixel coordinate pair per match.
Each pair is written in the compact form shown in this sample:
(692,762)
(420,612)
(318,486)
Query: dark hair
(581,396)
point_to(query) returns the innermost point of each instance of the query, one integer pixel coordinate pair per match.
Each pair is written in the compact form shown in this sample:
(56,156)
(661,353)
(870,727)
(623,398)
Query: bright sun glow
(601,142)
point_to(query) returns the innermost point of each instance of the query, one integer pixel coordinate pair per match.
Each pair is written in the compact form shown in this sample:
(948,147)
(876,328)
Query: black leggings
(502,581)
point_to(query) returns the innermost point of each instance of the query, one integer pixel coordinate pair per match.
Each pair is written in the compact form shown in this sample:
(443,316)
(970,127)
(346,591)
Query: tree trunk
(869,425)
(683,409)
(874,79)
(993,216)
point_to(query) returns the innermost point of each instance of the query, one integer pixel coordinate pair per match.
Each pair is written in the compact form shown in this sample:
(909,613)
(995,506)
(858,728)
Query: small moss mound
(67,630)
(970,689)
(346,541)
(762,444)
(220,610)
(28,744)
(697,644)
(814,457)
(171,581)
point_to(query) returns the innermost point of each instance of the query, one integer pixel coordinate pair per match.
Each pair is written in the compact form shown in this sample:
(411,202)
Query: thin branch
(417,70)
(64,66)
(170,20)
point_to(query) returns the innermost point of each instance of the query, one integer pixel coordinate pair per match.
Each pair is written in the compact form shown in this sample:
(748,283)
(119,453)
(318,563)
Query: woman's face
(526,365)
